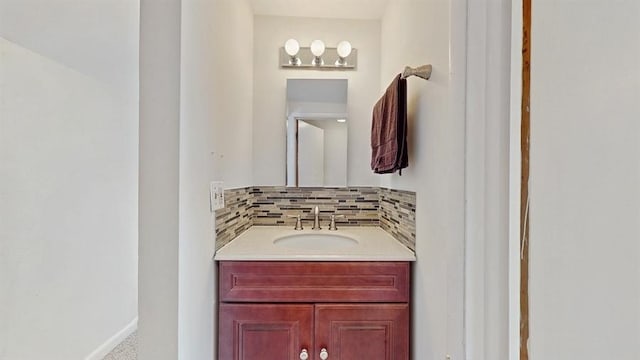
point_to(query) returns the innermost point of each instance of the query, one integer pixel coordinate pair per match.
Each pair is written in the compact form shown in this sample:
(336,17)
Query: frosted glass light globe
(292,47)
(317,48)
(344,49)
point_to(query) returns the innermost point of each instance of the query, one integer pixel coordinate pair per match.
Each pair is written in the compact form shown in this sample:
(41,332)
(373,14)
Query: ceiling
(336,9)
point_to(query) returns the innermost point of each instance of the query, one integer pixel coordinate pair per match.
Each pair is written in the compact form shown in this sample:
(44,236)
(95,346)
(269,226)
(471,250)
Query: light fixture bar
(330,57)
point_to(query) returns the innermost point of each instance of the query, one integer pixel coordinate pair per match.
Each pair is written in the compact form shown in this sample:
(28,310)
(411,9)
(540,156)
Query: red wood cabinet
(265,331)
(351,310)
(363,331)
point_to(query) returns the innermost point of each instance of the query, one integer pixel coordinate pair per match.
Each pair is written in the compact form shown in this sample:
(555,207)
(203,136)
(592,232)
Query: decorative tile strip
(398,215)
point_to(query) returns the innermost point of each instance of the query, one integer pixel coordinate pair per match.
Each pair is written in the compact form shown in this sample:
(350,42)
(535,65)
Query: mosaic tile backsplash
(393,210)
(273,205)
(398,215)
(235,217)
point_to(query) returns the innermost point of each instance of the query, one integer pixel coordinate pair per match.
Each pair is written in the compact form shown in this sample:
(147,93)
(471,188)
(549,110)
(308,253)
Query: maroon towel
(389,129)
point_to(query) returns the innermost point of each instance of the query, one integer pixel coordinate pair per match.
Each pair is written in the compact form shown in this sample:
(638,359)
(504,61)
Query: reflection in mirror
(317,132)
(322,152)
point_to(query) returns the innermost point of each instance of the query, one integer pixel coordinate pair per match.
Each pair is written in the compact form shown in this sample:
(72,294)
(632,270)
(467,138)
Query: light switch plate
(216,195)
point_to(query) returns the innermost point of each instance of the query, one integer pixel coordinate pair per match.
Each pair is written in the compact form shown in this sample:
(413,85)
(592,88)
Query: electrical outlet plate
(216,195)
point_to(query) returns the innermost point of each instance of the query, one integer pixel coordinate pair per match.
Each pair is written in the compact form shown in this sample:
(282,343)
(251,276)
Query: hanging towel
(389,129)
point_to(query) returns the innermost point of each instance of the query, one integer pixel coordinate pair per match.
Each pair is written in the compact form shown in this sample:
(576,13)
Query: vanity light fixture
(317,49)
(292,47)
(341,120)
(318,56)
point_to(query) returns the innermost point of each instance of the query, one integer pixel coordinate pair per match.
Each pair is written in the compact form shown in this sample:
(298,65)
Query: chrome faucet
(316,219)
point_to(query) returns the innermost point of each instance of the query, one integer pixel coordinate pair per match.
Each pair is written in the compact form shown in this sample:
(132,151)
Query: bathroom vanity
(296,300)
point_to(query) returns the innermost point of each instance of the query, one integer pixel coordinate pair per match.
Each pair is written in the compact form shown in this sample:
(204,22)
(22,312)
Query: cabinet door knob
(324,355)
(304,355)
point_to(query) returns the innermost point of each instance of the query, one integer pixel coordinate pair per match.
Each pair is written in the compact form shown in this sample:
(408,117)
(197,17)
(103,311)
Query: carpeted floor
(126,350)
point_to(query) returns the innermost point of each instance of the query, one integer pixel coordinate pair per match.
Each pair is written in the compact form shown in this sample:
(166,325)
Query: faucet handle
(298,222)
(332,224)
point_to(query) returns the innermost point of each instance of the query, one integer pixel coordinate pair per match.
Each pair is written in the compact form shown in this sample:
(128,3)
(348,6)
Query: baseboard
(112,342)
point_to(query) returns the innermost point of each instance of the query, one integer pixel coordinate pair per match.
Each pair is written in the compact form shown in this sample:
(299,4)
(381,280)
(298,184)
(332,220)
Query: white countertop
(257,243)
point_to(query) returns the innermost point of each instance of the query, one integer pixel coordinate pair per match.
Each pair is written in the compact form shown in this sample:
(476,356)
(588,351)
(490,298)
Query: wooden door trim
(525,140)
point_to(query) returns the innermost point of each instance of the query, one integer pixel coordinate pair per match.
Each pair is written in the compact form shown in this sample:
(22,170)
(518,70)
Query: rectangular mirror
(317,132)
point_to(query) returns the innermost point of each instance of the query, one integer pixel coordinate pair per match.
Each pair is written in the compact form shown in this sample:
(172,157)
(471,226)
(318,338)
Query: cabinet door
(265,332)
(362,331)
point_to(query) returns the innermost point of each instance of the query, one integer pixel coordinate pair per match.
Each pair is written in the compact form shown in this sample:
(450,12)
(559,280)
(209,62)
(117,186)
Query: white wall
(98,38)
(310,155)
(269,125)
(159,179)
(68,165)
(487,180)
(216,117)
(317,109)
(230,98)
(335,154)
(585,171)
(416,33)
(195,127)
(68,175)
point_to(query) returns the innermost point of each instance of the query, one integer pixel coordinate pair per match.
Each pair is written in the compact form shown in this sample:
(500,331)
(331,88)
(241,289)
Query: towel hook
(423,71)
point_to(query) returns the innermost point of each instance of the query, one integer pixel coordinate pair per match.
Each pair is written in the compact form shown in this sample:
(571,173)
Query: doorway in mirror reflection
(317,132)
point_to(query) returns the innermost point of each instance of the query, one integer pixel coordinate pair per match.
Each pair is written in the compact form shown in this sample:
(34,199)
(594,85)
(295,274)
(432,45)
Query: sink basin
(310,241)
